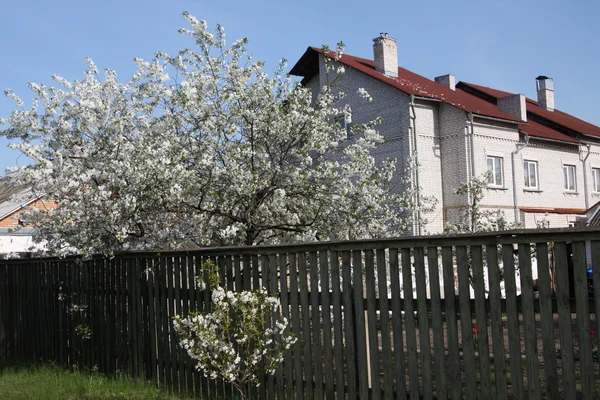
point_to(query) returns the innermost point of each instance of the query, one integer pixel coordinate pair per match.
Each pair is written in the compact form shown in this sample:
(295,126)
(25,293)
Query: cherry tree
(472,218)
(199,148)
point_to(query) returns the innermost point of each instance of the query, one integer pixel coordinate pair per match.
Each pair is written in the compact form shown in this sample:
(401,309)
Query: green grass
(30,381)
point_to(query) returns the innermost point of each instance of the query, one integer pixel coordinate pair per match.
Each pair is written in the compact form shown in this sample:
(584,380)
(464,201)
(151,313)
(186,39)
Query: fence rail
(445,317)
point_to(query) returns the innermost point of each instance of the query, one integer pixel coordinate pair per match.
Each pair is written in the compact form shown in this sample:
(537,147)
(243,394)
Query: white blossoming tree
(200,148)
(472,218)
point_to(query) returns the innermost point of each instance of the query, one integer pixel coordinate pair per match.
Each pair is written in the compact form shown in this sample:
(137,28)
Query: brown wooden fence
(371,317)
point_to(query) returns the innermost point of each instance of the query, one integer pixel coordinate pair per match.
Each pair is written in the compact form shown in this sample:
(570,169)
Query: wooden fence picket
(480,331)
(516,371)
(386,344)
(373,370)
(466,324)
(564,321)
(496,322)
(411,329)
(423,320)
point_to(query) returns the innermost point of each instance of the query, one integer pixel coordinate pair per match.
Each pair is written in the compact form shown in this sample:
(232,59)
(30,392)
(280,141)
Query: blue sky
(499,43)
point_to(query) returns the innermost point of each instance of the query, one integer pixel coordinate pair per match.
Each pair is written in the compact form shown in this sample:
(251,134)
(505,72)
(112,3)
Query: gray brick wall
(514,105)
(429,161)
(453,147)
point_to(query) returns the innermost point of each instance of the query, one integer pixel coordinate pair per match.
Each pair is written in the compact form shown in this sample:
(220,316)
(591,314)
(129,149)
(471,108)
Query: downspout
(472,156)
(416,165)
(585,184)
(514,176)
(473,174)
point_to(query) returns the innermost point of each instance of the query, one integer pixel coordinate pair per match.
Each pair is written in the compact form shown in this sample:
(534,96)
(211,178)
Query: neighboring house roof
(407,81)
(18,232)
(557,120)
(13,196)
(594,215)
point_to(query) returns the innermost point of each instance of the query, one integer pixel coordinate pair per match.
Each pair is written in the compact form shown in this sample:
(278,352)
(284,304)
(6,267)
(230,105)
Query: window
(596,178)
(531,174)
(569,171)
(345,121)
(495,166)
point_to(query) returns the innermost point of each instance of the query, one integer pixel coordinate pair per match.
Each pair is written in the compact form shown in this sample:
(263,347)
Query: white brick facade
(452,145)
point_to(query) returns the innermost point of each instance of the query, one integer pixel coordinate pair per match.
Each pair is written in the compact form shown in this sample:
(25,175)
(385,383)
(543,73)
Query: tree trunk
(250,236)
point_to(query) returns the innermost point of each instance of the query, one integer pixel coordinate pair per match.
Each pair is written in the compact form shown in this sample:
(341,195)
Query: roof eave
(302,66)
(550,140)
(510,121)
(590,135)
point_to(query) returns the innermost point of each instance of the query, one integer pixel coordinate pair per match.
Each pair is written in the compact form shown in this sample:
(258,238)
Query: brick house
(545,163)
(14,199)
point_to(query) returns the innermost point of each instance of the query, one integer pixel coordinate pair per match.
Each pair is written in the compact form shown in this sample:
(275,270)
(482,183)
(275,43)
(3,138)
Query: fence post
(349,312)
(3,312)
(360,334)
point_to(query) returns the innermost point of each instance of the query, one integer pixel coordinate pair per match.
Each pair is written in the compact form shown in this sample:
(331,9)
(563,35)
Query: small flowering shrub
(232,340)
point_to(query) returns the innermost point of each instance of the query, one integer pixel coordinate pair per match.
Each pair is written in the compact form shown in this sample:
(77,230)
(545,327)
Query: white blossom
(362,92)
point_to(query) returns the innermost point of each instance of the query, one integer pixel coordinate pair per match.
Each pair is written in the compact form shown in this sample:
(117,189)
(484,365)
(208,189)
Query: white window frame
(570,181)
(344,120)
(527,165)
(493,182)
(596,179)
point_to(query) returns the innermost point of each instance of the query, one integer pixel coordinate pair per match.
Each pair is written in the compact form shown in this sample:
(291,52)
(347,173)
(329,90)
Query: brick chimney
(385,53)
(514,105)
(447,80)
(545,92)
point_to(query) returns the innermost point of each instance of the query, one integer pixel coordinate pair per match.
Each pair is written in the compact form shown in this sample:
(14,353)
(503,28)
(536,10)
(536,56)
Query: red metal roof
(558,117)
(408,82)
(417,85)
(492,92)
(535,129)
